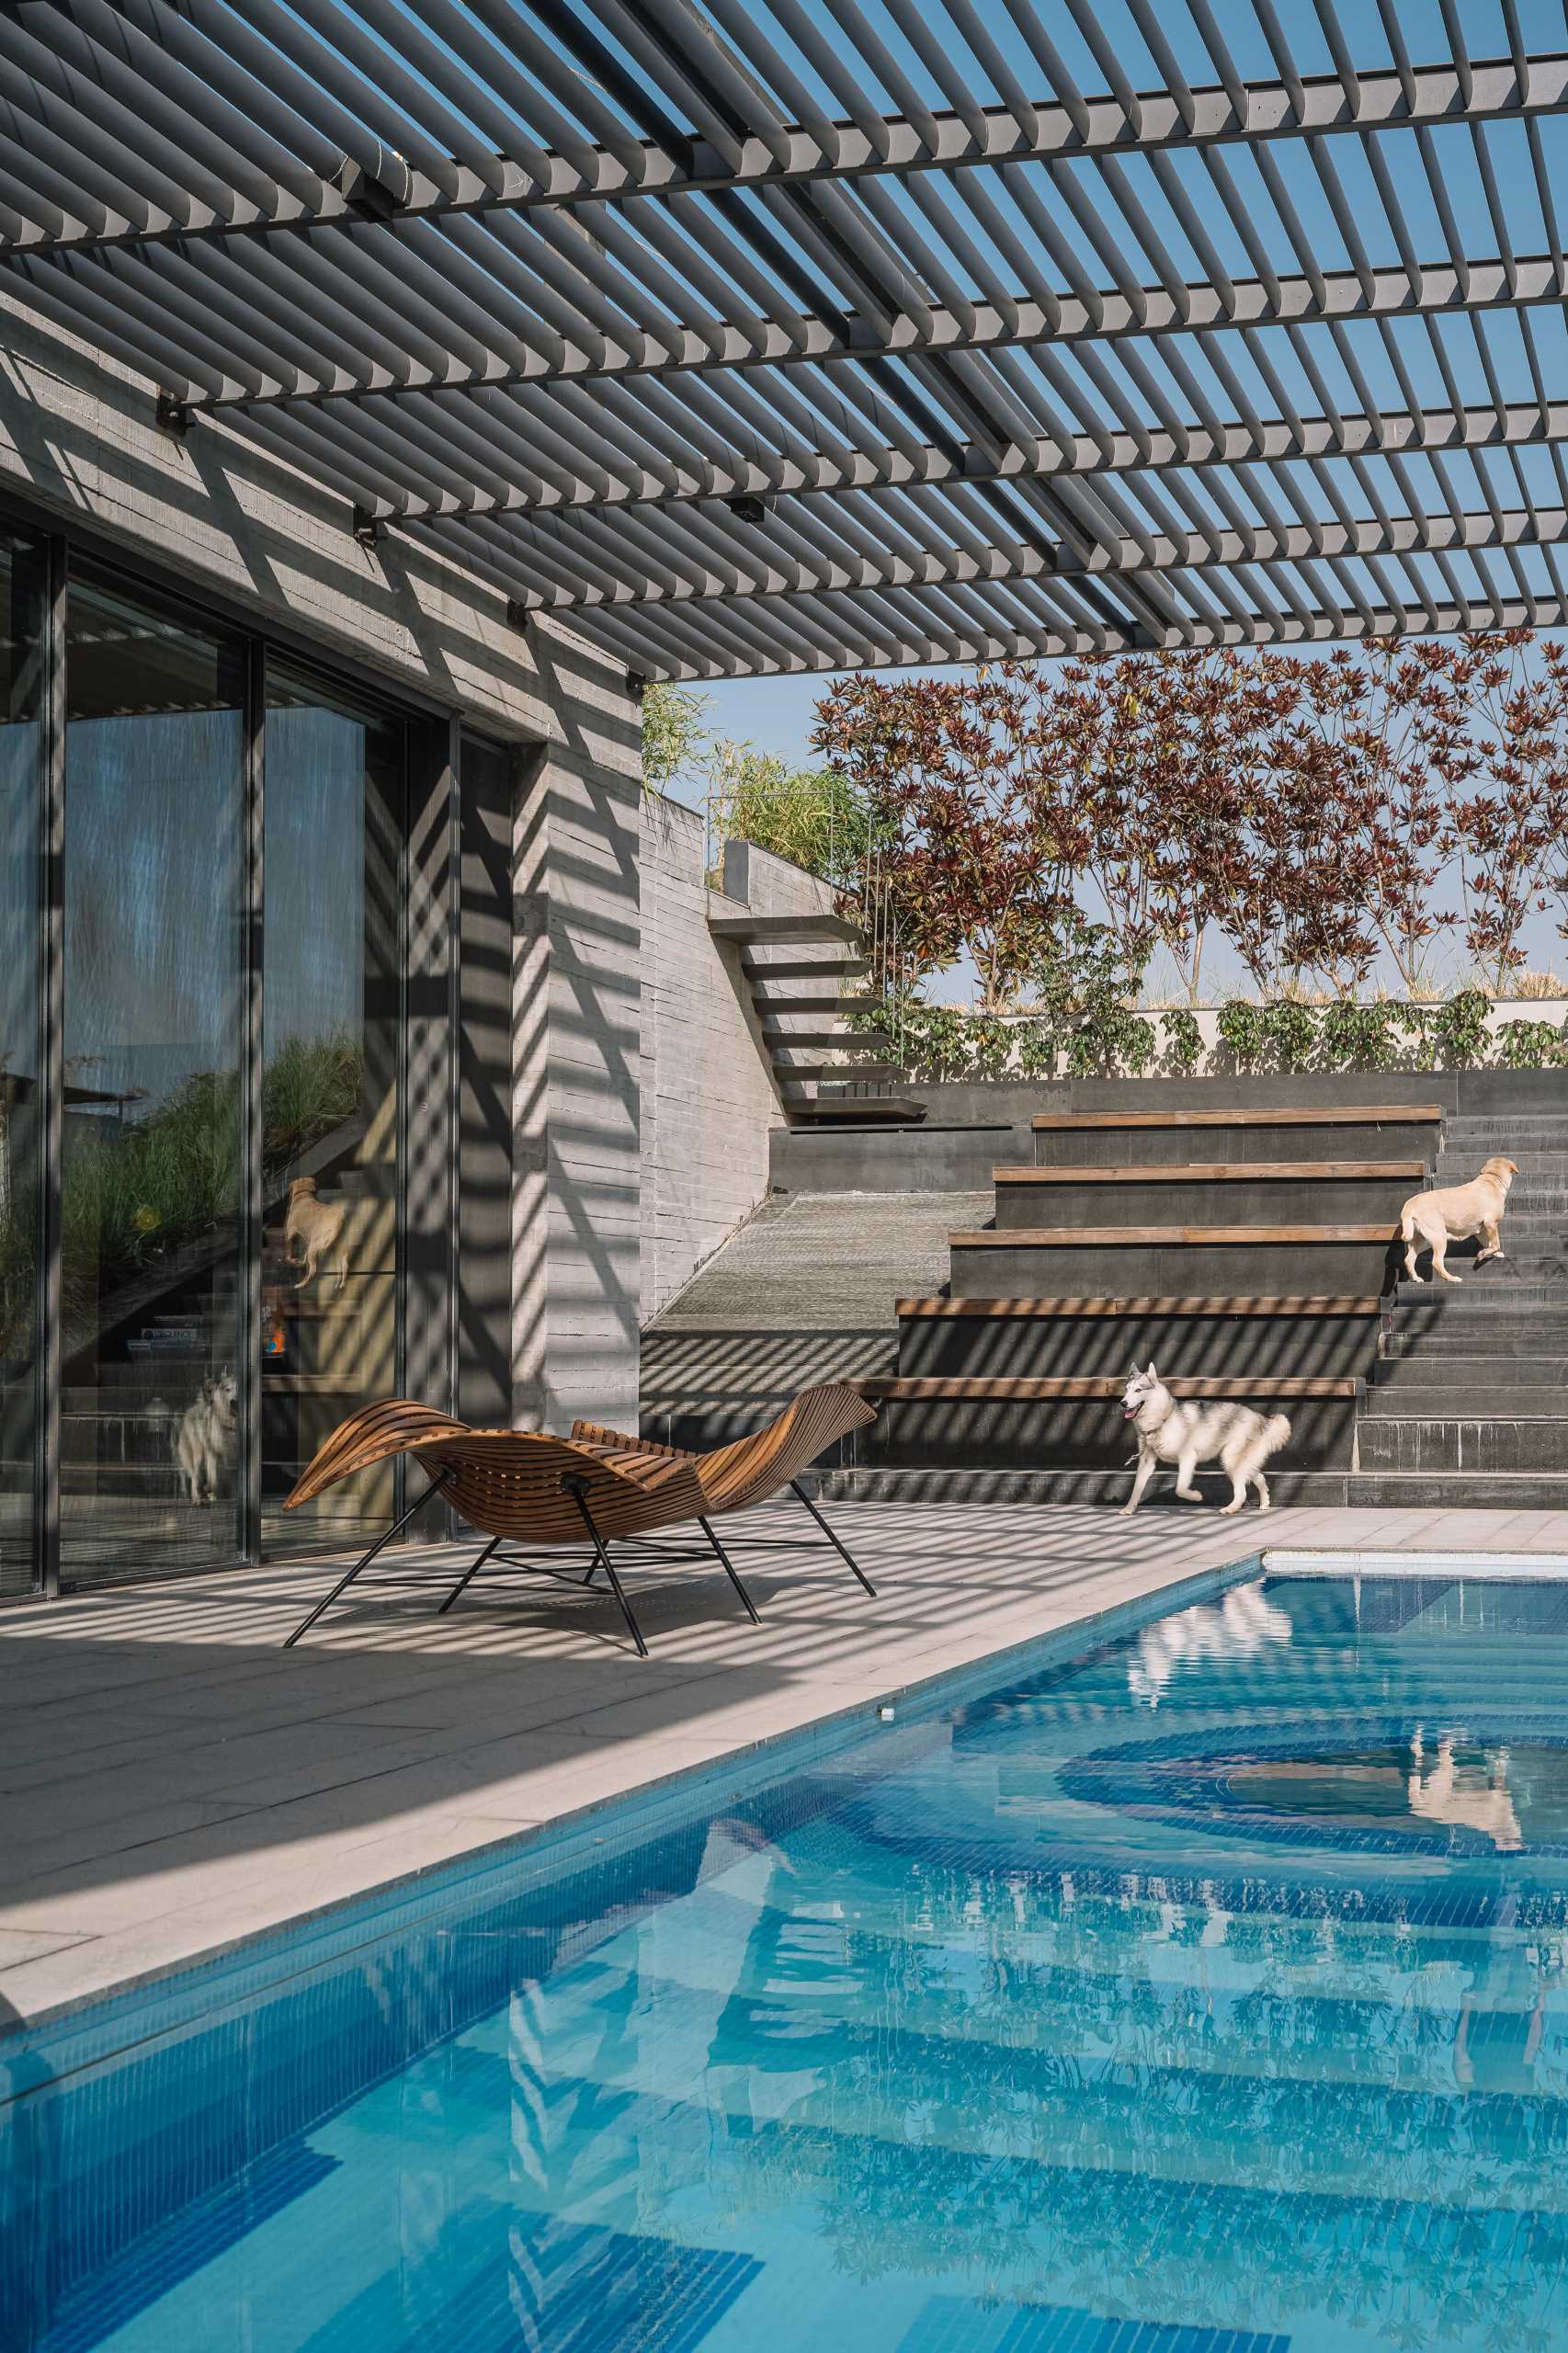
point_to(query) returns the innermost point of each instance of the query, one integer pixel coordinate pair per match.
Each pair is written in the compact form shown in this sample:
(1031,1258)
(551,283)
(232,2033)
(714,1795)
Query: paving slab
(178,1782)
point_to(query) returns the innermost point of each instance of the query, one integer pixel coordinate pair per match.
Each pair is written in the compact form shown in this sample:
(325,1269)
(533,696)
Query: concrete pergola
(761,336)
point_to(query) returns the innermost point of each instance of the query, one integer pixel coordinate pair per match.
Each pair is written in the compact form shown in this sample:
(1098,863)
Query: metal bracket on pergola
(751,337)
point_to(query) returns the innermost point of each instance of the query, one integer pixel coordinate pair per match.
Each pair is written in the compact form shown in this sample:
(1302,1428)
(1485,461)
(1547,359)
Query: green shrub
(1183,1041)
(1114,1039)
(1243,1034)
(1289,1032)
(1037,1049)
(990,1045)
(1530,1045)
(1361,1036)
(1458,1030)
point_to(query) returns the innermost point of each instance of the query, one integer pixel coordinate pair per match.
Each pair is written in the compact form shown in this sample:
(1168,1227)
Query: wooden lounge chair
(750,1469)
(524,1488)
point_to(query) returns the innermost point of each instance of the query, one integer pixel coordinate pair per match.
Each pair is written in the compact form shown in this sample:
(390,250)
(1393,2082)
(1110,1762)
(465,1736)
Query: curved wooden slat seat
(528,1487)
(765,1462)
(750,1469)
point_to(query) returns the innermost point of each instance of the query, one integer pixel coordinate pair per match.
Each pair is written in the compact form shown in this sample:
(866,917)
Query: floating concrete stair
(791,968)
(847,1040)
(827,1003)
(1362,1132)
(1229,1192)
(1072,1260)
(853,1086)
(762,931)
(1046,1337)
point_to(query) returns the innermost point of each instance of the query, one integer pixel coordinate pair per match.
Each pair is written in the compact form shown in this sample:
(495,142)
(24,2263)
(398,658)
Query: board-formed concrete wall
(709,1100)
(235,529)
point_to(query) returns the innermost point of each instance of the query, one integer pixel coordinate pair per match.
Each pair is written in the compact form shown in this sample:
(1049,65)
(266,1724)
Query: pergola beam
(1110,316)
(1499,90)
(1397,433)
(1301,543)
(1443,619)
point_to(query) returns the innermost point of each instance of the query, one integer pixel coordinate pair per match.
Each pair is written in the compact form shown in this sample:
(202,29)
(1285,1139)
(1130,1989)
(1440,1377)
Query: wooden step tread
(1215,1172)
(1195,1304)
(1082,1385)
(1353,1115)
(799,1072)
(758,931)
(1102,1237)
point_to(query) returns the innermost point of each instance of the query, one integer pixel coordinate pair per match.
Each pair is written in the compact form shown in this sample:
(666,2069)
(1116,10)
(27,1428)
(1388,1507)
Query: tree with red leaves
(1507,772)
(981,847)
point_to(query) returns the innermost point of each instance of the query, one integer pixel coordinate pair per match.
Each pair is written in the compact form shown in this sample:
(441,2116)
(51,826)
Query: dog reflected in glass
(312,1234)
(204,1436)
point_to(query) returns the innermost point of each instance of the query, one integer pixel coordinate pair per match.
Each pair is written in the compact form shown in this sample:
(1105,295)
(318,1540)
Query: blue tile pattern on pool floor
(1205,1992)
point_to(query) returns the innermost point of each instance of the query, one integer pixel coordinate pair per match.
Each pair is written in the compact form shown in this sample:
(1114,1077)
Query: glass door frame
(431,767)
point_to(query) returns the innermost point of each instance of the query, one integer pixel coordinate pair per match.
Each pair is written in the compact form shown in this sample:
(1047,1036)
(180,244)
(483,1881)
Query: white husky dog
(204,1436)
(1188,1433)
(1431,1220)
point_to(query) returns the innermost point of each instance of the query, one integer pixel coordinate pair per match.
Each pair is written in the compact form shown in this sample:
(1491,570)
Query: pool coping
(1337,1561)
(99,2024)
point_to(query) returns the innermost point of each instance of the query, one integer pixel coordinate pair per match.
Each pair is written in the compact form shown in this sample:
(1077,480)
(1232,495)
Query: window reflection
(330,1090)
(21,641)
(155,778)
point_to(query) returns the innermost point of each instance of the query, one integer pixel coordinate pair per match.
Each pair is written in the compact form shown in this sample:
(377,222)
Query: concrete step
(1219,1193)
(1471,1400)
(1264,1261)
(1465,1369)
(825,1001)
(805,968)
(1117,1139)
(1517,1341)
(1527,1491)
(956,1429)
(1483,1444)
(761,931)
(856,1041)
(701,1388)
(1046,1337)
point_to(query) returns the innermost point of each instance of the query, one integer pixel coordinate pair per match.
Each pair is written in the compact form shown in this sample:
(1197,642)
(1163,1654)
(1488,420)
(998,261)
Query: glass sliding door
(150,1151)
(331,1091)
(22,643)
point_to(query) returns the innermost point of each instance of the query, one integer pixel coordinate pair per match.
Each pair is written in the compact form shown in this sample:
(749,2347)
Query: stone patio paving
(175,1783)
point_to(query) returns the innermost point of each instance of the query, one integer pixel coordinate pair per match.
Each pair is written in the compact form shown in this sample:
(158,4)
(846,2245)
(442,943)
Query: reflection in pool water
(1243,2019)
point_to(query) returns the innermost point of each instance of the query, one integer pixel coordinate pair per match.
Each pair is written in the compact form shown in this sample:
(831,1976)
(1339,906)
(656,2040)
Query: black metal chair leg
(467,1576)
(603,1560)
(365,1559)
(799,1491)
(730,1571)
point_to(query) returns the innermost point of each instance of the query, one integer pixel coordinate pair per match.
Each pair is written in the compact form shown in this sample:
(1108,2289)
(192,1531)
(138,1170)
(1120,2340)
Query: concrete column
(575,1032)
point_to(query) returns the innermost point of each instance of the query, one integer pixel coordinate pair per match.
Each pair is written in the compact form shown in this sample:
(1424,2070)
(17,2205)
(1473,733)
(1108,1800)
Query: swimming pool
(1199,1991)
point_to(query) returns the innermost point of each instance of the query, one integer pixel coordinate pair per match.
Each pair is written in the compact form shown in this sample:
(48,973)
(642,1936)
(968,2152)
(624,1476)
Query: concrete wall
(709,1099)
(231,525)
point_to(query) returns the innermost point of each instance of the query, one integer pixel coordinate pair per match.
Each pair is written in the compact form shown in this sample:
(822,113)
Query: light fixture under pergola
(758,336)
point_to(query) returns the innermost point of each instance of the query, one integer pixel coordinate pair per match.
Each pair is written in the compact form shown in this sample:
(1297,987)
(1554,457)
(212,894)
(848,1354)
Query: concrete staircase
(1249,1253)
(802,1003)
(806,1291)
(1473,1381)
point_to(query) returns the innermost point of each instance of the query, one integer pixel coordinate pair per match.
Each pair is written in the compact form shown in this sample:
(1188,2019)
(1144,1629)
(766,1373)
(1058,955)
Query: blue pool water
(1202,1992)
